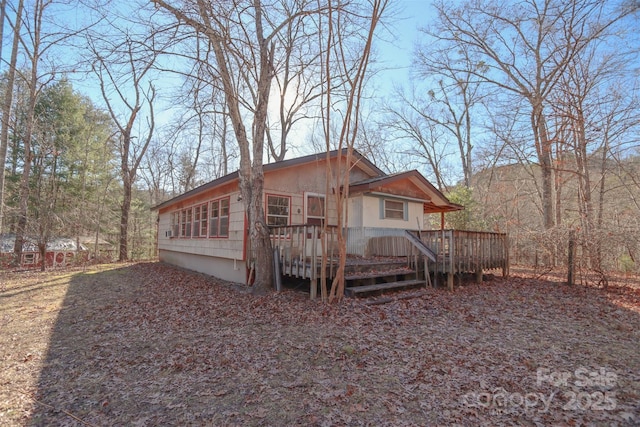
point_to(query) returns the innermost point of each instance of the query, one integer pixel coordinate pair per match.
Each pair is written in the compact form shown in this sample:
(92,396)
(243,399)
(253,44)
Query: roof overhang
(357,160)
(410,185)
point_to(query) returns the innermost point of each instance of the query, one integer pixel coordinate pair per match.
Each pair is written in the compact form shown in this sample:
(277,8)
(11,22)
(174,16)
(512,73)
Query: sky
(394,47)
(396,52)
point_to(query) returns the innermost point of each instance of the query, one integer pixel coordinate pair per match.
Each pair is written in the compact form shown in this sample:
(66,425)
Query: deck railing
(461,251)
(299,250)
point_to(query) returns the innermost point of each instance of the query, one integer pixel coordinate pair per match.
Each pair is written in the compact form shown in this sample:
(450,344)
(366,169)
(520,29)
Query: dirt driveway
(147,344)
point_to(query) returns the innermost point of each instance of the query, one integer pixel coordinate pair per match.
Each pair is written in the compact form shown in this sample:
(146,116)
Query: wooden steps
(353,276)
(376,275)
(353,291)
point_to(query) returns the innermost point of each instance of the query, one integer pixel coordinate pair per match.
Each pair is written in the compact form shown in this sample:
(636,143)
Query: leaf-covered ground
(148,344)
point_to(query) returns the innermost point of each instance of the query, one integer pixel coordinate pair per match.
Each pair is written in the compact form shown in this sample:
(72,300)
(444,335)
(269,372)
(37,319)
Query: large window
(315,209)
(278,210)
(219,218)
(200,220)
(394,209)
(185,222)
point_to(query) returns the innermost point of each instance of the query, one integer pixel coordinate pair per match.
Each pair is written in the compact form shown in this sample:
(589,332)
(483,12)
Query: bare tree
(451,100)
(412,120)
(244,39)
(525,51)
(299,89)
(203,128)
(123,69)
(349,97)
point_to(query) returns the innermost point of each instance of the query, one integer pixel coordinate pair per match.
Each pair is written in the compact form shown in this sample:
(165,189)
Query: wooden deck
(460,251)
(441,254)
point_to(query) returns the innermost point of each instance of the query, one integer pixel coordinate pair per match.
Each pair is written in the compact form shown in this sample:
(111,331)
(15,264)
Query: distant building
(60,252)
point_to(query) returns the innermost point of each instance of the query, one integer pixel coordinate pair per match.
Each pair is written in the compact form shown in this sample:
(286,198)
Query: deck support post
(479,275)
(450,281)
(314,266)
(314,288)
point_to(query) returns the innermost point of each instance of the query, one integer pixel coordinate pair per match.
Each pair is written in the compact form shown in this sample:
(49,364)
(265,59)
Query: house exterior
(206,229)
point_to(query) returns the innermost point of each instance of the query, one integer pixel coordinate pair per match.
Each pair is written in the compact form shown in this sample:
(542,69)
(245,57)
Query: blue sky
(395,54)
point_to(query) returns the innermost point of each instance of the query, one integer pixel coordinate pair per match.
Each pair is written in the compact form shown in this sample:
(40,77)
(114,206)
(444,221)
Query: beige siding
(371,214)
(297,184)
(356,211)
(225,269)
(231,247)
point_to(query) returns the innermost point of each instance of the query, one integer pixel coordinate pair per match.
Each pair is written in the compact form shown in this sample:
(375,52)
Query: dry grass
(147,344)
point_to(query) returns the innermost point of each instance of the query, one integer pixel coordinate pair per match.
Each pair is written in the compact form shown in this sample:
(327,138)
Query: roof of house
(30,244)
(433,200)
(358,158)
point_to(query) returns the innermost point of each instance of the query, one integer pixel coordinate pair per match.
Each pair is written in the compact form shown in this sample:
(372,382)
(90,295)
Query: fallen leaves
(148,344)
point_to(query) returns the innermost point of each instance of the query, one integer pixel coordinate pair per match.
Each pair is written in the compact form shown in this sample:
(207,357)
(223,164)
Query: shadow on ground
(151,345)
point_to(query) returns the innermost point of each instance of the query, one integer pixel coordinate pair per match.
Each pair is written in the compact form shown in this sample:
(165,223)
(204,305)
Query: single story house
(205,229)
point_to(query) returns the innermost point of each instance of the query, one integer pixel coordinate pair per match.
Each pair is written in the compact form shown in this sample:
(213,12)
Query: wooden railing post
(314,271)
(452,256)
(570,259)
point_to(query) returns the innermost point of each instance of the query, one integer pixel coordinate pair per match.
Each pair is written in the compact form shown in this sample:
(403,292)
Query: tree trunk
(124,218)
(28,157)
(545,158)
(8,100)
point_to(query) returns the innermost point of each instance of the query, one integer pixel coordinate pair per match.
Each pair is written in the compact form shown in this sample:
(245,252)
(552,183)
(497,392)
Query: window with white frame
(224,218)
(196,221)
(219,218)
(394,209)
(175,224)
(189,222)
(183,223)
(278,210)
(200,220)
(204,219)
(315,209)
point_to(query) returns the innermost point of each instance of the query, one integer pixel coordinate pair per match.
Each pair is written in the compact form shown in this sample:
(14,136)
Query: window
(196,223)
(219,218)
(214,220)
(224,218)
(200,221)
(204,220)
(29,258)
(189,222)
(183,223)
(315,209)
(278,210)
(175,224)
(394,209)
